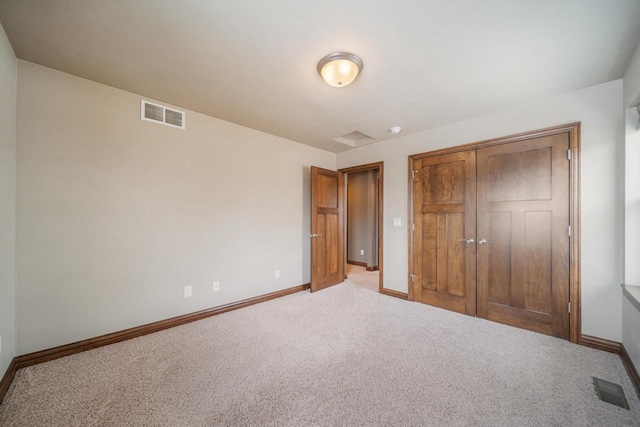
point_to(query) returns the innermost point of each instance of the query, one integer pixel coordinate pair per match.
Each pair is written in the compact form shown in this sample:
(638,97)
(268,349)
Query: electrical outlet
(216,286)
(361,251)
(277,275)
(187,291)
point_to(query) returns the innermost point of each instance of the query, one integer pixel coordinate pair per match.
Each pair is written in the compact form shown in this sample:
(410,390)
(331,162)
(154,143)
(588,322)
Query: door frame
(573,129)
(379,166)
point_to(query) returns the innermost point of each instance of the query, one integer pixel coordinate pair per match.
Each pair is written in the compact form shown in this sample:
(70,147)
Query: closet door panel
(523,244)
(444,217)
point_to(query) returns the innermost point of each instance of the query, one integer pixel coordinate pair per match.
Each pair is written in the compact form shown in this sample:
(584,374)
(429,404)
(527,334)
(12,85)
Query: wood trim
(600,344)
(575,280)
(410,293)
(7,378)
(380,167)
(91,343)
(362,168)
(616,348)
(393,293)
(567,128)
(573,129)
(372,268)
(358,263)
(380,225)
(631,369)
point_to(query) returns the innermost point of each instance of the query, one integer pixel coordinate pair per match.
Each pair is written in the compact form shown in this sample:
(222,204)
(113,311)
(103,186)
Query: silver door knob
(467,241)
(484,242)
(315,235)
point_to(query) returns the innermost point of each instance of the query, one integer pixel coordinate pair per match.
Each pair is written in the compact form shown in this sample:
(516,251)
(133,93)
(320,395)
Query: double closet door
(491,233)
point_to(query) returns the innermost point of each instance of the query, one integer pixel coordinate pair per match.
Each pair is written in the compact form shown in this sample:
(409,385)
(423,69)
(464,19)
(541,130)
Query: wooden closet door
(523,242)
(444,215)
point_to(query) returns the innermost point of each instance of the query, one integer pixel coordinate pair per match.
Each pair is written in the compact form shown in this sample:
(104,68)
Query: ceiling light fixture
(340,69)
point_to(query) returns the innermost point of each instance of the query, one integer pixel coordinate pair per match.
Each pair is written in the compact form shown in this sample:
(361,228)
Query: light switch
(397,222)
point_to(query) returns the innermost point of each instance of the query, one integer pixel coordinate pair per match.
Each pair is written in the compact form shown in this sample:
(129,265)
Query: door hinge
(413,174)
(413,227)
(569,307)
(569,154)
(413,277)
(569,231)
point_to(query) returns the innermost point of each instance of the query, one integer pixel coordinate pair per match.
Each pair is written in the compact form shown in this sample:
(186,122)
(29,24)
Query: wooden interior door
(523,241)
(444,230)
(327,228)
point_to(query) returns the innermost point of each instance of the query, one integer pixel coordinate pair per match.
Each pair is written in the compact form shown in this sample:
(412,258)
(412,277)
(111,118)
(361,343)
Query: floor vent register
(610,393)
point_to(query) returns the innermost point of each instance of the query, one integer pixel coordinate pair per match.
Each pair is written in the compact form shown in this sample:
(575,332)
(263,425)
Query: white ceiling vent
(159,114)
(355,139)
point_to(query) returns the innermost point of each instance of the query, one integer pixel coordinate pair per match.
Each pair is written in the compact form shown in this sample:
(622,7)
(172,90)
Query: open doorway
(363,223)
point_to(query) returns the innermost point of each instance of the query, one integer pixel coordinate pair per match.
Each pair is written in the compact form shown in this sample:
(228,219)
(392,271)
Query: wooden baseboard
(393,293)
(600,344)
(616,348)
(91,343)
(7,378)
(631,369)
(361,264)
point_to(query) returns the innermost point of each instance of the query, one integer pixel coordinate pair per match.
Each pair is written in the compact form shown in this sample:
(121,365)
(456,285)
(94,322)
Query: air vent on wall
(159,114)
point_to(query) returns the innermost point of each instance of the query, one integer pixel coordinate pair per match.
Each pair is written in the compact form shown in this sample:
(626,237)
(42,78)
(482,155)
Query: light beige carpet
(359,276)
(341,356)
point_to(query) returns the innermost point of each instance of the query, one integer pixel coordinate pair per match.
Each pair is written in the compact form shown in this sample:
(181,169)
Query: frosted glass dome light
(340,69)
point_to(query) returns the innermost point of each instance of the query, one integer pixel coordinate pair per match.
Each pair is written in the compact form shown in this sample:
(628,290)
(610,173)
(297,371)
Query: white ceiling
(251,62)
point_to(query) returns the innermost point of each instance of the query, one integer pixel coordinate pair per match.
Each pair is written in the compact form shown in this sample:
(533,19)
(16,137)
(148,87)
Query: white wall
(631,329)
(632,200)
(116,215)
(8,82)
(632,80)
(357,222)
(362,230)
(599,108)
(630,314)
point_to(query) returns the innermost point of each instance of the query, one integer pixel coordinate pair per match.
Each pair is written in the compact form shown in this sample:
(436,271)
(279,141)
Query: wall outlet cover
(216,286)
(187,291)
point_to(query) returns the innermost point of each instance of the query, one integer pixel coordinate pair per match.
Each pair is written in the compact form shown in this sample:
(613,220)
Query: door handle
(467,241)
(315,235)
(484,242)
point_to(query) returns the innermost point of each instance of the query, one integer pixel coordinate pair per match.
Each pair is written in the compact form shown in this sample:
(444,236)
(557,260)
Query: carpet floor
(359,276)
(344,356)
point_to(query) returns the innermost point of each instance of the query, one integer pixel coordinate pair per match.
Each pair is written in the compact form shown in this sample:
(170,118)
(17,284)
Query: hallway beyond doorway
(361,277)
